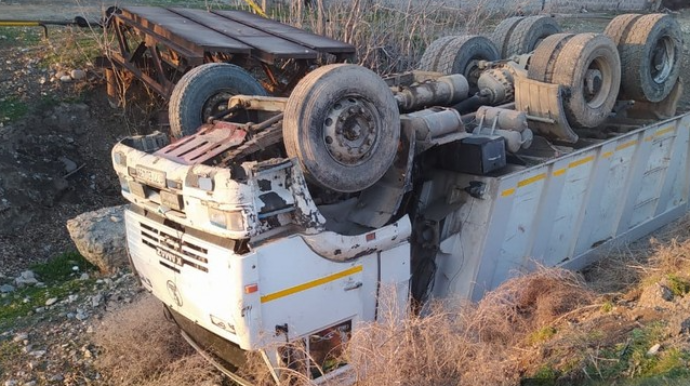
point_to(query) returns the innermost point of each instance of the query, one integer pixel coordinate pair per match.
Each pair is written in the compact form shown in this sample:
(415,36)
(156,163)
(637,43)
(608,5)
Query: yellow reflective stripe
(608,154)
(531,180)
(508,192)
(626,145)
(310,284)
(559,172)
(664,131)
(9,23)
(579,162)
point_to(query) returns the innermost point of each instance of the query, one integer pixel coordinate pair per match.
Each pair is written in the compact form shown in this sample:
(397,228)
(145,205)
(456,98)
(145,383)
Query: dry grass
(139,347)
(463,344)
(389,38)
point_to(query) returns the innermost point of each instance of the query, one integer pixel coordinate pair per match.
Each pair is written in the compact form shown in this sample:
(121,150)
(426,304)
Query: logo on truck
(174,293)
(169,256)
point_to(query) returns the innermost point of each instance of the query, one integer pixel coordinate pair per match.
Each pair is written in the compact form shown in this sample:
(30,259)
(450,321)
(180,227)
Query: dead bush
(389,36)
(139,347)
(456,343)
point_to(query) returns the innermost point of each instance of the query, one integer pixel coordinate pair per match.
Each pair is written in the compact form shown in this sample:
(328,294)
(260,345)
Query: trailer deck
(158,45)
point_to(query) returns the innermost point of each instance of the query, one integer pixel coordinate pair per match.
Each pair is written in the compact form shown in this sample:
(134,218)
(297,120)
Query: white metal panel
(565,227)
(394,282)
(307,292)
(557,213)
(205,297)
(514,253)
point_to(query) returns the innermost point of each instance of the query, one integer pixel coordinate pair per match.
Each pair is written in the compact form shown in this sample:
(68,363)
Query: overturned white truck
(263,237)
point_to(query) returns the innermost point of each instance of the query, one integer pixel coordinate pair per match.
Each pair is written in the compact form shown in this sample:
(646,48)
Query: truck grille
(172,250)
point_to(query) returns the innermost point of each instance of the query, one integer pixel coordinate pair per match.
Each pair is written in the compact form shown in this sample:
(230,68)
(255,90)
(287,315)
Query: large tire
(204,91)
(462,54)
(529,33)
(502,32)
(650,55)
(431,55)
(342,125)
(543,62)
(620,26)
(594,55)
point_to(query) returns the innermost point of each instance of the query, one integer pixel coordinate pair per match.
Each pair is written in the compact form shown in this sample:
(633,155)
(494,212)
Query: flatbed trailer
(159,45)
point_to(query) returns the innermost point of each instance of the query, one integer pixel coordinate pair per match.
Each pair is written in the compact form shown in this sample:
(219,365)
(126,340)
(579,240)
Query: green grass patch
(12,109)
(61,280)
(607,307)
(13,35)
(630,359)
(545,376)
(678,286)
(542,335)
(75,49)
(27,299)
(60,268)
(653,381)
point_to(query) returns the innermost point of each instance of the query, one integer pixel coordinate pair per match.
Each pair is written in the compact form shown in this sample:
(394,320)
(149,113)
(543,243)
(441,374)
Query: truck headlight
(232,220)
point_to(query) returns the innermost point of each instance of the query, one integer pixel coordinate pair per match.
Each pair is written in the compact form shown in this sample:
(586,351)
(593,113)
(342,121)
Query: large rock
(100,237)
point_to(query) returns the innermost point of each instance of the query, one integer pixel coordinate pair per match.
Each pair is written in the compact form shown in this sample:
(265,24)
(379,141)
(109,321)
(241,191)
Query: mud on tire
(589,66)
(528,33)
(204,91)
(429,61)
(462,54)
(501,34)
(543,62)
(651,49)
(342,125)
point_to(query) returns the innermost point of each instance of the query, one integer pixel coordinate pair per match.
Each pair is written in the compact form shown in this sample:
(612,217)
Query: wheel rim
(662,58)
(215,104)
(350,130)
(597,83)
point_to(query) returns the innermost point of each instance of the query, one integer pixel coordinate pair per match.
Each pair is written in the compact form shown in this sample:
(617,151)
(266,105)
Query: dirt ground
(55,160)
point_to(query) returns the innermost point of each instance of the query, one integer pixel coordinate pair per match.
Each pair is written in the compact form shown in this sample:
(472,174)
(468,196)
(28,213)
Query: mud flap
(543,104)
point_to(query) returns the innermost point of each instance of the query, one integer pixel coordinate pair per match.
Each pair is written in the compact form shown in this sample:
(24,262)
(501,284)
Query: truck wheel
(541,65)
(502,32)
(650,55)
(590,67)
(342,125)
(429,60)
(620,26)
(529,33)
(462,56)
(204,91)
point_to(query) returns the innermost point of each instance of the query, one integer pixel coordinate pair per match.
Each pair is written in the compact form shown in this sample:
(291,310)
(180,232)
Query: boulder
(100,237)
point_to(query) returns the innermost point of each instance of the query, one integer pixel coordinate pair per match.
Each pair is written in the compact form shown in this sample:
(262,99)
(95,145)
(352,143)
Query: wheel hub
(349,131)
(215,104)
(662,59)
(593,82)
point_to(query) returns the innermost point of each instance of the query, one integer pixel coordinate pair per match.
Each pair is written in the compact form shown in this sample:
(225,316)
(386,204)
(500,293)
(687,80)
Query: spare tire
(462,55)
(431,55)
(528,33)
(342,125)
(204,91)
(620,26)
(590,67)
(543,62)
(501,34)
(650,54)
